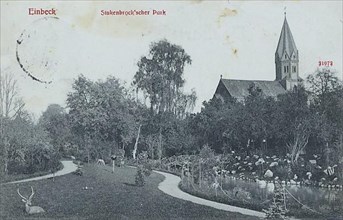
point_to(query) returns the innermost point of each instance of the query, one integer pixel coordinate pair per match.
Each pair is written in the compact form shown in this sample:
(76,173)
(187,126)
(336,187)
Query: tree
(10,102)
(54,120)
(296,121)
(11,105)
(24,146)
(160,78)
(103,115)
(327,92)
(79,102)
(29,147)
(160,75)
(256,120)
(321,84)
(152,142)
(233,125)
(212,125)
(178,137)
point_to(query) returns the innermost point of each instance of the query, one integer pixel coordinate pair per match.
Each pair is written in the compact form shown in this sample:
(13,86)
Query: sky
(235,39)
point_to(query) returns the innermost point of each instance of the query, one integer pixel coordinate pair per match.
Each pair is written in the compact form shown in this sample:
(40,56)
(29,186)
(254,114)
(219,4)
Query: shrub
(139,178)
(37,158)
(281,172)
(78,172)
(144,168)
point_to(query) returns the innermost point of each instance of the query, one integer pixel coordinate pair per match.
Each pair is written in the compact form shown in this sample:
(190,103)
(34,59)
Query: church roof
(239,88)
(286,41)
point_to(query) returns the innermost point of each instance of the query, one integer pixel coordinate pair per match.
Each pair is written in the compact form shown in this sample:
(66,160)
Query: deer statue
(28,208)
(101,162)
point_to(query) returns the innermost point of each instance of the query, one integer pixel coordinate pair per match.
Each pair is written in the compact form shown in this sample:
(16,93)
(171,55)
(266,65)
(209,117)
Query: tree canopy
(160,76)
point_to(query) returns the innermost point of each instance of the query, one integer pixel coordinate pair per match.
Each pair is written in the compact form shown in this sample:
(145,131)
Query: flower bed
(311,190)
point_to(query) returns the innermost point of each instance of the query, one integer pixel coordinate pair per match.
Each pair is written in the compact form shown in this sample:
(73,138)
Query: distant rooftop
(239,88)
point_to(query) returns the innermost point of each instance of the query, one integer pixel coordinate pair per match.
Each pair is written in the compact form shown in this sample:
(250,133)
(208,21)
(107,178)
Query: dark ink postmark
(32,60)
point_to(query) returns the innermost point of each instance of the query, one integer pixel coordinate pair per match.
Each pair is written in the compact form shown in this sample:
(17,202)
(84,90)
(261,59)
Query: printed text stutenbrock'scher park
(132,12)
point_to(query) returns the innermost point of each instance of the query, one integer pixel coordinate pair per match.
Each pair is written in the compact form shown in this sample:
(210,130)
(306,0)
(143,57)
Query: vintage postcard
(168,109)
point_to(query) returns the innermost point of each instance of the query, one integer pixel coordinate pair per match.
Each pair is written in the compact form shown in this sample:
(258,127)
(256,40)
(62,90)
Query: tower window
(284,69)
(287,68)
(294,69)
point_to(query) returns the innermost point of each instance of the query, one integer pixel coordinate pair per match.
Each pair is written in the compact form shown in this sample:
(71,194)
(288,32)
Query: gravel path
(170,186)
(68,167)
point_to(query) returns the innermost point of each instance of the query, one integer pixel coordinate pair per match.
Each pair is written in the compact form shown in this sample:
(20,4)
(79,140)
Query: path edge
(173,181)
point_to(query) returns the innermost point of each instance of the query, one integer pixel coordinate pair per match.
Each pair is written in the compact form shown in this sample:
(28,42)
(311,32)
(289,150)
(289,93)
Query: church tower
(287,59)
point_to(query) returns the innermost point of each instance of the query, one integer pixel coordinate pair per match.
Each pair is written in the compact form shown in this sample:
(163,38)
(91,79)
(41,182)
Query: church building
(286,71)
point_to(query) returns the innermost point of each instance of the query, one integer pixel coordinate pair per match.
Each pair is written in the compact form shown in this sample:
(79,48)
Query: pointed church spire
(286,43)
(285,11)
(287,58)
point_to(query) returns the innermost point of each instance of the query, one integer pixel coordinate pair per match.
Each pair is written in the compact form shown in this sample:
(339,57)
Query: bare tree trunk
(160,146)
(192,173)
(200,177)
(298,145)
(151,147)
(6,150)
(136,144)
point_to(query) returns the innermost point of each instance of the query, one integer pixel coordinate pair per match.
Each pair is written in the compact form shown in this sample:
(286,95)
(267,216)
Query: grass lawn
(114,196)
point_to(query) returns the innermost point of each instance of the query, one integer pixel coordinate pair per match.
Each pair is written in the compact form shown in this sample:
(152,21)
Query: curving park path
(68,167)
(170,186)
